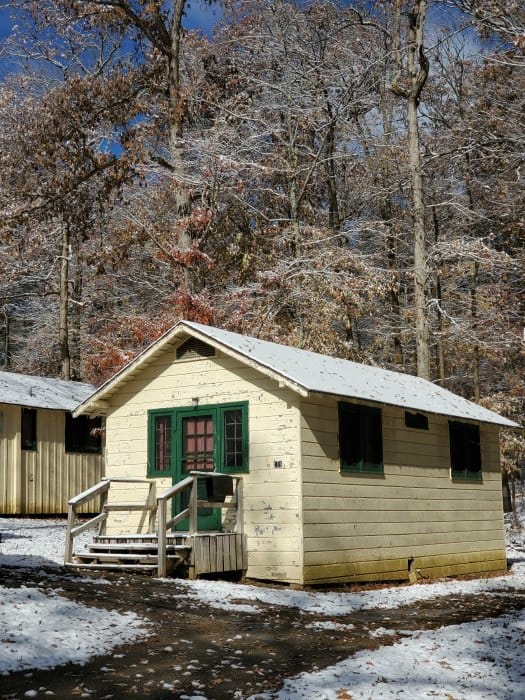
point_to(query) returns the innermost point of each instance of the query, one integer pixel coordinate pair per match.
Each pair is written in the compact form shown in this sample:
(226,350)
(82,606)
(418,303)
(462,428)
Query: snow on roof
(42,392)
(306,372)
(329,375)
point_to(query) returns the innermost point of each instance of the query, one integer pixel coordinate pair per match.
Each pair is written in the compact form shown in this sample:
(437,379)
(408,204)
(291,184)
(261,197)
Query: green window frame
(28,428)
(160,443)
(360,439)
(465,450)
(230,438)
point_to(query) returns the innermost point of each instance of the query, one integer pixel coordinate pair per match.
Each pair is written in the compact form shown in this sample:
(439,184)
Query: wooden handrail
(190,482)
(155,506)
(102,489)
(176,488)
(190,512)
(90,493)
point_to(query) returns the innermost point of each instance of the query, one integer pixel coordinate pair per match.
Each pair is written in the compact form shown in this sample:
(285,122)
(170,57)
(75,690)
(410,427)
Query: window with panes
(207,438)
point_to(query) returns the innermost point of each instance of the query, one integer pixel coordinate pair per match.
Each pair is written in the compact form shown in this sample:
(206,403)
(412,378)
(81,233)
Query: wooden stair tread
(137,539)
(124,556)
(114,566)
(121,546)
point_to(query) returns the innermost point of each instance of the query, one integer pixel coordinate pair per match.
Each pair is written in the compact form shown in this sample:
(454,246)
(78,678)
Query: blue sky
(5,24)
(198,15)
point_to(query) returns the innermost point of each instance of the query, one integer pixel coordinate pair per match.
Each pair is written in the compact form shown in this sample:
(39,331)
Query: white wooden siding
(272,495)
(41,482)
(369,526)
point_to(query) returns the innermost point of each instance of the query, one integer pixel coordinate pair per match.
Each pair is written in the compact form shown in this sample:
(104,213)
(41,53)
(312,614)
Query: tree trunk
(176,102)
(334,217)
(393,266)
(418,66)
(176,122)
(7,332)
(418,74)
(441,361)
(63,329)
(476,391)
(507,494)
(76,324)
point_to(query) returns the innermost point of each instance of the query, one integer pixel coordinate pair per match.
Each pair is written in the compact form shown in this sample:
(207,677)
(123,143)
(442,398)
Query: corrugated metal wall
(9,458)
(41,482)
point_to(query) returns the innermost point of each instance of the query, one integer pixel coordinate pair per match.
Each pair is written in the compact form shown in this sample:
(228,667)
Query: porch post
(68,554)
(161,538)
(193,506)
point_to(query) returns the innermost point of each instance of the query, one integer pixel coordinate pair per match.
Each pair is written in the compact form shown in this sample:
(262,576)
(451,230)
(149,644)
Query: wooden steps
(193,555)
(131,553)
(139,568)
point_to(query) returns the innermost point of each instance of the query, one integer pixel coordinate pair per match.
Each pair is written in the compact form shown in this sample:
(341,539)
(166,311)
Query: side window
(29,428)
(465,450)
(360,439)
(83,434)
(160,434)
(234,438)
(416,420)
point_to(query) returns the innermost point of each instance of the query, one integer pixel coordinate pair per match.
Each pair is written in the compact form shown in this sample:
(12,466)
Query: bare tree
(410,88)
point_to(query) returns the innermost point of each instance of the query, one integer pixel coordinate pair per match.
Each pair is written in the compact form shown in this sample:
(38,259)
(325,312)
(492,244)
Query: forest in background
(345,177)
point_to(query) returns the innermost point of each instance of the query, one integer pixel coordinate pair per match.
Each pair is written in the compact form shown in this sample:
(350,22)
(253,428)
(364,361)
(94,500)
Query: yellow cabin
(46,455)
(292,466)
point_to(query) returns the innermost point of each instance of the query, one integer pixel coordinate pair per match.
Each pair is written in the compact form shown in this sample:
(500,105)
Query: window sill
(353,471)
(468,479)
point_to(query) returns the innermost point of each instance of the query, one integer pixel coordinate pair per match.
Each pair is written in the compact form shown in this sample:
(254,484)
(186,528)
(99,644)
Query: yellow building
(349,472)
(46,455)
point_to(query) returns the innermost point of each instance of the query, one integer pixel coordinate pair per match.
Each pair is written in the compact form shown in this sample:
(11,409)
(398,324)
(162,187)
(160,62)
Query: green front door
(204,439)
(196,430)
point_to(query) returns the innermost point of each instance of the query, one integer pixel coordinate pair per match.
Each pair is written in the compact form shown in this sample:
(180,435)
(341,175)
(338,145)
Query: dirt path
(198,650)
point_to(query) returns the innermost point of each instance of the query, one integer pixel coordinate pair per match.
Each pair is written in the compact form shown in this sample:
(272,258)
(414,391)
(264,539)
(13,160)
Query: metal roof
(307,372)
(328,375)
(42,392)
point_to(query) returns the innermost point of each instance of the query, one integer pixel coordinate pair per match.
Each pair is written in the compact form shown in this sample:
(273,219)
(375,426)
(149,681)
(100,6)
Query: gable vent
(194,348)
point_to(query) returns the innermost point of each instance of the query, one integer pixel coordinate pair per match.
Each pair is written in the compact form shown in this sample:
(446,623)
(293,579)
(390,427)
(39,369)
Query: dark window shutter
(83,434)
(473,449)
(360,438)
(373,442)
(349,434)
(416,420)
(29,428)
(465,449)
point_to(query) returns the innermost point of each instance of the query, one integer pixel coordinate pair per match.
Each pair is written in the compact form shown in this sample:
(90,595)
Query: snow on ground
(225,595)
(475,661)
(35,542)
(43,629)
